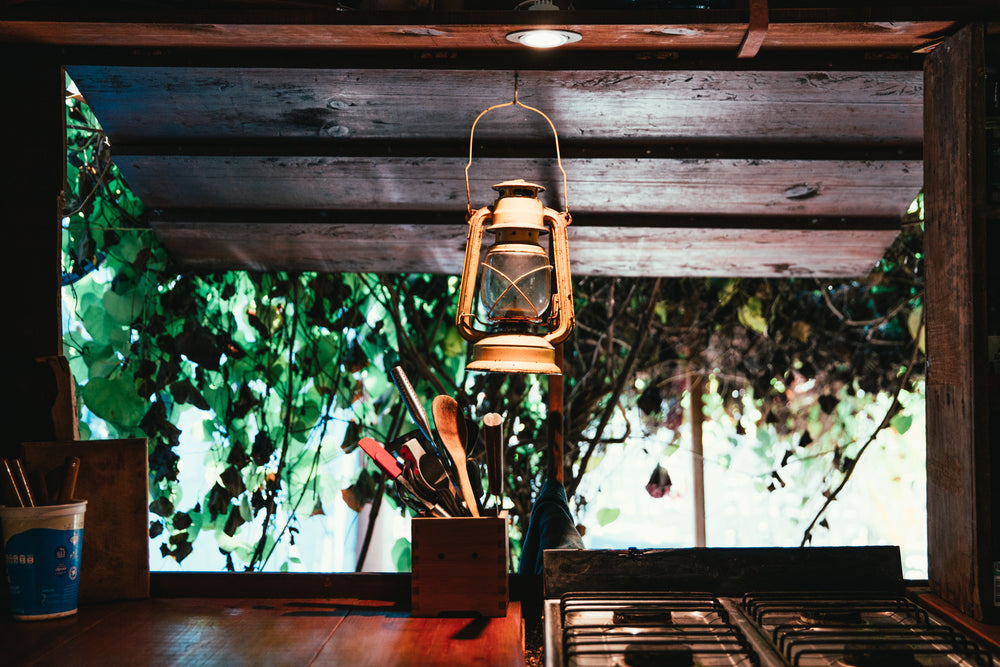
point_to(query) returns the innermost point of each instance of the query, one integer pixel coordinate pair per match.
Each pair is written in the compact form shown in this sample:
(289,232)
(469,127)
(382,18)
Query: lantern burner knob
(518,188)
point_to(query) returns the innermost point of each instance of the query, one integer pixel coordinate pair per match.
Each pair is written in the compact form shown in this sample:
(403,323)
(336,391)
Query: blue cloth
(550,526)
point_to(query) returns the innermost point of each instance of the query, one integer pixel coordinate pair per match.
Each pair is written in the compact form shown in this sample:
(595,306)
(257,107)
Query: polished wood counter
(261,631)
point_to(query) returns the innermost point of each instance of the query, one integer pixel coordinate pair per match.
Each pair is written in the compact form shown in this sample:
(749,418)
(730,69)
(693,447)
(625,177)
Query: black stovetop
(769,607)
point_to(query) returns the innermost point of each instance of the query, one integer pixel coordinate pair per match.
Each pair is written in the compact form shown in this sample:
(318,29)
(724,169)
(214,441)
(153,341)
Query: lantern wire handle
(519,103)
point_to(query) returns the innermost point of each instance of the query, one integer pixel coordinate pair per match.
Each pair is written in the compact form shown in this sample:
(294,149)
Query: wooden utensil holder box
(459,566)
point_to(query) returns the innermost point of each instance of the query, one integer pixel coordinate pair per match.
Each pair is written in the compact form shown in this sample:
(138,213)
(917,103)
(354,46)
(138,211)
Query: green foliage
(272,365)
(283,373)
(798,362)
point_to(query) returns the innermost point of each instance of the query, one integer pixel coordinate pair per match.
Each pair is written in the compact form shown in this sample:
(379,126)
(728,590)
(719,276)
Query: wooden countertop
(261,631)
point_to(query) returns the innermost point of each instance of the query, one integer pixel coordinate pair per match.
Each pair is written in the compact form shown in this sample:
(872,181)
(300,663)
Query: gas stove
(840,607)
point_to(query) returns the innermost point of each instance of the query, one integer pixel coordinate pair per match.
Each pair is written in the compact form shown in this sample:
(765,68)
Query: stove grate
(846,630)
(628,629)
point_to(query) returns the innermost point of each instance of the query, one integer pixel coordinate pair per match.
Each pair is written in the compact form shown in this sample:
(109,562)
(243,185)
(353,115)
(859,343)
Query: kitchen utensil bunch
(35,490)
(430,466)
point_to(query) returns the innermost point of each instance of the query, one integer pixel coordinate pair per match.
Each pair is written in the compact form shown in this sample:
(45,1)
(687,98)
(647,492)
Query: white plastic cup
(42,547)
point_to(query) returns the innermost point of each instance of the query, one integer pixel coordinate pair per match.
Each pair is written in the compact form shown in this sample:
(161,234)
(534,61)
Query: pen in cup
(14,494)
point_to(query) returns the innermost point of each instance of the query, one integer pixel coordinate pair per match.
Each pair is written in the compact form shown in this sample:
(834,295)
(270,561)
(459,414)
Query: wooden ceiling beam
(421,248)
(669,186)
(164,217)
(344,133)
(322,26)
(348,104)
(572,147)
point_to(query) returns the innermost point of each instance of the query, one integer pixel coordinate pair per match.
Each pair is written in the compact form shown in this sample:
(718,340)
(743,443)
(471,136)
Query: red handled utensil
(387,463)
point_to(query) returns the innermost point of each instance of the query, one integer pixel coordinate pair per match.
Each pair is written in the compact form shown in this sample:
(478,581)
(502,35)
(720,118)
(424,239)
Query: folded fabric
(550,526)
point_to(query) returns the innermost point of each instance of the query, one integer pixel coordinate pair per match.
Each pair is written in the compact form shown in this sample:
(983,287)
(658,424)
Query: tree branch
(624,375)
(889,414)
(258,552)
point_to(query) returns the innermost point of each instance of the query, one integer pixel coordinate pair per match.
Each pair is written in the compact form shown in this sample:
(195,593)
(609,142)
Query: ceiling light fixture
(544,38)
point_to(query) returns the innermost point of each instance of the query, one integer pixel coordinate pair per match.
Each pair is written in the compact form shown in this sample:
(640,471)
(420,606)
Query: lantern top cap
(518,188)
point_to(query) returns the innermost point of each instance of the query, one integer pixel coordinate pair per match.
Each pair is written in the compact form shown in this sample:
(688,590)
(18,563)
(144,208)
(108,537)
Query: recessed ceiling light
(544,38)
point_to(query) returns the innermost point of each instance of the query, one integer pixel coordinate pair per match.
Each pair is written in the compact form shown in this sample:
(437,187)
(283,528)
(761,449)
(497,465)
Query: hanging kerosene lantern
(525,298)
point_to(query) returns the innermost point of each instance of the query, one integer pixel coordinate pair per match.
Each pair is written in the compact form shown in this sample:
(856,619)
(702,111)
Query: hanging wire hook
(555,135)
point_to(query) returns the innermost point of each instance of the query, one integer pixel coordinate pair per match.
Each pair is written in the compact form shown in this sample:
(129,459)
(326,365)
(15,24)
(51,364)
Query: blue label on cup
(43,570)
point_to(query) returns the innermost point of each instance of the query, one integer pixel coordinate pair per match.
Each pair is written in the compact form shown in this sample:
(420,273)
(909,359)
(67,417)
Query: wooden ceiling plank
(647,31)
(696,186)
(139,103)
(689,252)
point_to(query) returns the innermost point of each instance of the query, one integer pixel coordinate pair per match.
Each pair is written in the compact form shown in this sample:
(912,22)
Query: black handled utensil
(412,402)
(493,437)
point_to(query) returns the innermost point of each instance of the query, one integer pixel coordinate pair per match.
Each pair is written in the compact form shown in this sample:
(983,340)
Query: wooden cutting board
(114,480)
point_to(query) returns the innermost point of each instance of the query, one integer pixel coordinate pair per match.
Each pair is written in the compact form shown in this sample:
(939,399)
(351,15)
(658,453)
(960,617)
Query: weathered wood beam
(633,251)
(902,27)
(678,187)
(331,107)
(491,59)
(571,147)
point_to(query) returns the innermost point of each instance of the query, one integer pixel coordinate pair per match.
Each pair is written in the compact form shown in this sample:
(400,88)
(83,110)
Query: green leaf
(594,461)
(130,246)
(115,400)
(901,423)
(751,315)
(327,350)
(96,320)
(606,515)
(728,290)
(671,448)
(454,344)
(123,308)
(401,555)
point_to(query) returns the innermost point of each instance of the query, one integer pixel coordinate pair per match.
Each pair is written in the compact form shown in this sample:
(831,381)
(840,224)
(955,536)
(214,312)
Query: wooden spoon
(448,421)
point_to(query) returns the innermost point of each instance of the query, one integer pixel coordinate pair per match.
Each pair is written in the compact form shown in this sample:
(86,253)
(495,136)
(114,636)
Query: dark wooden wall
(33,169)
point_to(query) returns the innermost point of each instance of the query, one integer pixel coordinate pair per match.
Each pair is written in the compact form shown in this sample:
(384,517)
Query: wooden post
(958,484)
(557,423)
(696,417)
(33,175)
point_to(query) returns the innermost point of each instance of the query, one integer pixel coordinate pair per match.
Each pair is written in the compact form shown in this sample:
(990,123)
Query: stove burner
(643,656)
(865,656)
(639,616)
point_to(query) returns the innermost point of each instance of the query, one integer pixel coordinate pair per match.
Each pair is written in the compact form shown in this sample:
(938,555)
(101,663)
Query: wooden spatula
(447,421)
